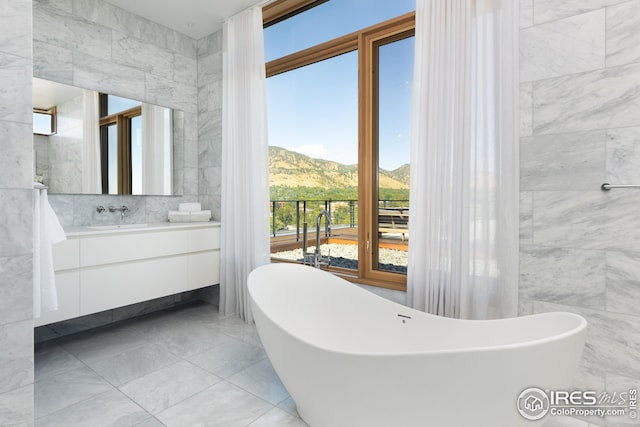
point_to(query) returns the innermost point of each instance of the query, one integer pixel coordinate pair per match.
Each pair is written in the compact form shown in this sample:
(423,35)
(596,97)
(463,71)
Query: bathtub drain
(404,317)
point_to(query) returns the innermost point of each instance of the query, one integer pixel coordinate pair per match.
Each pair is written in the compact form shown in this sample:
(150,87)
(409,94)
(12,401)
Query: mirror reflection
(88,142)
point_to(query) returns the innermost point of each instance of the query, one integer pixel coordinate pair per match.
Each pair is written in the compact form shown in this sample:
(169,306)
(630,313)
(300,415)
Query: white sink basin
(116,226)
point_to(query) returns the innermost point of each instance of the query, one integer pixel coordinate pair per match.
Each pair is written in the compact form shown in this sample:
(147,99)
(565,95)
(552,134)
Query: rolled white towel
(189,207)
(201,216)
(177,216)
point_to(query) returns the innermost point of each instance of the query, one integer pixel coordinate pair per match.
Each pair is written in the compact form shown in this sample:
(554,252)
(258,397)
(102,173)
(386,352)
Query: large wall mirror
(89,142)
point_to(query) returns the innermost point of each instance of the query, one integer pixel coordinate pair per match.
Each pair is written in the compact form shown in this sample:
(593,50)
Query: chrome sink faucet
(123,210)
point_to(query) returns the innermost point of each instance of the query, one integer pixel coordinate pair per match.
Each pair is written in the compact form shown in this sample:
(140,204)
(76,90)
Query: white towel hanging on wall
(47,231)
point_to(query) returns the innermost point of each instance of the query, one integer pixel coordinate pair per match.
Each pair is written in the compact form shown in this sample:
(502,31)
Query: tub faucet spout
(318,259)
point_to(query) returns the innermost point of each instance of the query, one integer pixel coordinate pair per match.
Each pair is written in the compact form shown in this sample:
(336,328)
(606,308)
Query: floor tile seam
(204,367)
(148,373)
(99,359)
(253,394)
(128,350)
(242,340)
(257,397)
(117,387)
(249,340)
(261,415)
(36,380)
(65,408)
(198,352)
(296,416)
(162,366)
(141,344)
(136,403)
(293,414)
(195,365)
(76,368)
(262,359)
(153,418)
(201,391)
(220,379)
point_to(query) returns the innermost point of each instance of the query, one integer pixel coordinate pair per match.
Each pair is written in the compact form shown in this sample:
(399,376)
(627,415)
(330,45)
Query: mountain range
(291,169)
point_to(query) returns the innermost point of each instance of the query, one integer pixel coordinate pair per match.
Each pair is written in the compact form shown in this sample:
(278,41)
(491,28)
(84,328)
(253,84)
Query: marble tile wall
(580,127)
(210,120)
(41,156)
(65,149)
(16,307)
(95,45)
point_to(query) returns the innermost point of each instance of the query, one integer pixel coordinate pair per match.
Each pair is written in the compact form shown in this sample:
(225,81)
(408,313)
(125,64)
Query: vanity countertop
(72,232)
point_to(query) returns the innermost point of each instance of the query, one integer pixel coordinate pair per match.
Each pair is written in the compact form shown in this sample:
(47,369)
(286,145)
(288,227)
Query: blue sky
(313,110)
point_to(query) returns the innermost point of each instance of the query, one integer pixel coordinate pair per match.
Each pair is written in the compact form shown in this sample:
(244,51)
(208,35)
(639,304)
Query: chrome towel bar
(606,186)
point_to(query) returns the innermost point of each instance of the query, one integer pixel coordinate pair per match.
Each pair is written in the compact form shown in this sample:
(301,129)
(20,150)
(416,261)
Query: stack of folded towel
(189,212)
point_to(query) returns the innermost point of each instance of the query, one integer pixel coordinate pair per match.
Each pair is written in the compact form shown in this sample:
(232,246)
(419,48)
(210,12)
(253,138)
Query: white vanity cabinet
(105,269)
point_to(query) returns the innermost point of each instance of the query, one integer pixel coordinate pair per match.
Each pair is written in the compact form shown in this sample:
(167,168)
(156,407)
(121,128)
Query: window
(339,103)
(44,121)
(119,142)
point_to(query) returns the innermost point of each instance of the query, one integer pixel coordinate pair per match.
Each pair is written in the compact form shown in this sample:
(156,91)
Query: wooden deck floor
(343,236)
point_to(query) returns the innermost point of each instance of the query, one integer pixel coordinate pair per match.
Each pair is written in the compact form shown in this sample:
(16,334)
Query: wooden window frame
(52,112)
(370,40)
(122,120)
(280,10)
(366,42)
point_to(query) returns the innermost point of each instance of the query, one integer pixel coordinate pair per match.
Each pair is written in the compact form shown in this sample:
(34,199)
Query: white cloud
(312,150)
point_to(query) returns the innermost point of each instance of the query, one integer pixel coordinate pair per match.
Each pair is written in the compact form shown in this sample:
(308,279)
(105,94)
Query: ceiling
(48,94)
(195,18)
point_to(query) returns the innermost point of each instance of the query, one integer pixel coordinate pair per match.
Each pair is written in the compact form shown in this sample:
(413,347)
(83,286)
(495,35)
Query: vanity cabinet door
(117,285)
(203,239)
(125,247)
(203,270)
(204,259)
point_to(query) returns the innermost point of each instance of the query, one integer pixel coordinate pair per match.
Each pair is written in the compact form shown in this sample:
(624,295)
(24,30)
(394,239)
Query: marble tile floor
(186,366)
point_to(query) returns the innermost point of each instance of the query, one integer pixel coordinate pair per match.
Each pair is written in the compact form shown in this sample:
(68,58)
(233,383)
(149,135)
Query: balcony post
(352,213)
(297,220)
(273,218)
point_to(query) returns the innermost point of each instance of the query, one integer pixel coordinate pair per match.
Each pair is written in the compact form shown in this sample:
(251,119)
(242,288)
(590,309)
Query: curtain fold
(91,175)
(156,167)
(464,159)
(245,160)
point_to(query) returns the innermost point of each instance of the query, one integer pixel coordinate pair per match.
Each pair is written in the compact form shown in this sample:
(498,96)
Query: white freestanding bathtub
(351,358)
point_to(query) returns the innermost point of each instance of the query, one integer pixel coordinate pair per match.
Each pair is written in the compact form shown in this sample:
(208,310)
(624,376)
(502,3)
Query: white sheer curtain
(245,160)
(91,178)
(155,139)
(463,250)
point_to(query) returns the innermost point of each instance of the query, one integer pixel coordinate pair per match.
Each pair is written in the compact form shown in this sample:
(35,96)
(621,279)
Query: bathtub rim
(578,329)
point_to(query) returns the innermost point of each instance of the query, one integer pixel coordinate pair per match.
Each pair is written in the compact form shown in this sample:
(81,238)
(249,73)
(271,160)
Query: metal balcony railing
(343,213)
